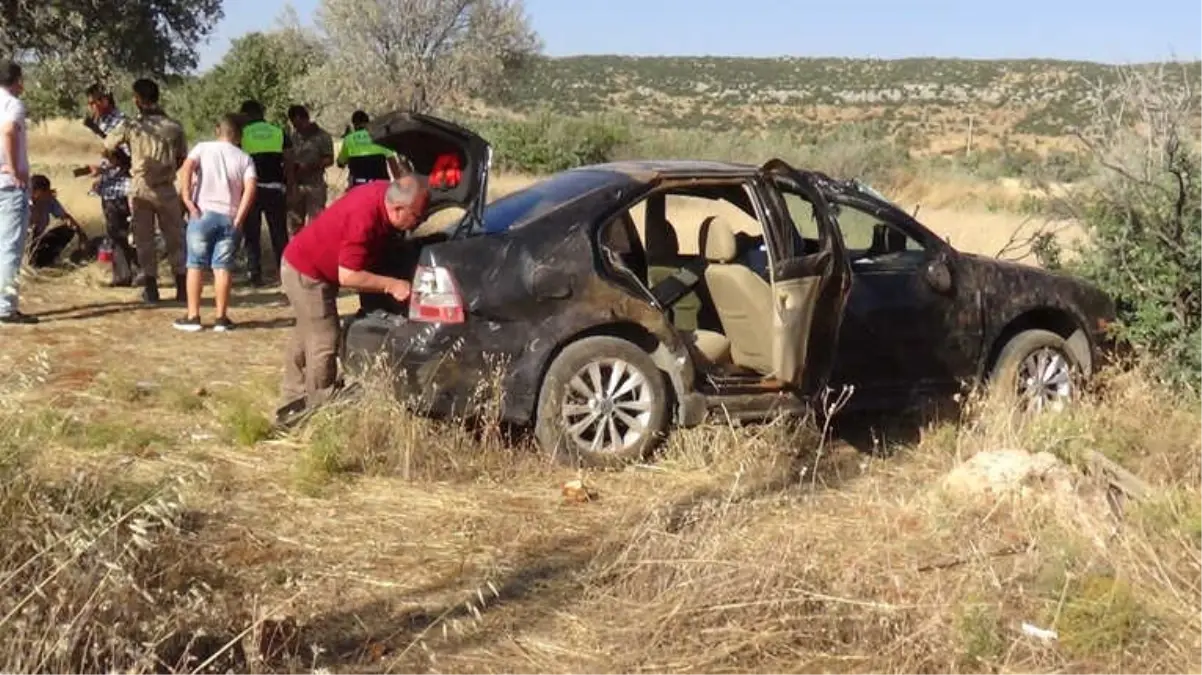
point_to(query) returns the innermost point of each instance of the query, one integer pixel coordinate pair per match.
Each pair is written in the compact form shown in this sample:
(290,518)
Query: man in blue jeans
(14,191)
(217,207)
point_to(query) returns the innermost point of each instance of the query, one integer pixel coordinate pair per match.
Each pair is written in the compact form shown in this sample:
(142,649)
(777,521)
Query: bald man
(332,252)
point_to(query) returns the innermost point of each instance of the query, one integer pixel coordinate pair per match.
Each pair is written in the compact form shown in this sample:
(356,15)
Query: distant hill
(1022,103)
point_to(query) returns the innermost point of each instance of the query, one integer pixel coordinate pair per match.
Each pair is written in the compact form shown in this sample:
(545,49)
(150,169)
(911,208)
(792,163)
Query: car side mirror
(938,274)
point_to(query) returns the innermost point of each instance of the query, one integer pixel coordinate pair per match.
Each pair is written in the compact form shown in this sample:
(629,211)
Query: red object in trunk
(447,171)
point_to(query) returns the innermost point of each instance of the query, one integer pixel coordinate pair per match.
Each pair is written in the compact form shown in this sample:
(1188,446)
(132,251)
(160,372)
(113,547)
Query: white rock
(1009,472)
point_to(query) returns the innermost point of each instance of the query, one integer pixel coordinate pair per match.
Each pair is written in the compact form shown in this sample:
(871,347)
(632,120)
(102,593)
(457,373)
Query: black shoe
(181,288)
(290,413)
(126,283)
(223,324)
(150,291)
(188,324)
(17,318)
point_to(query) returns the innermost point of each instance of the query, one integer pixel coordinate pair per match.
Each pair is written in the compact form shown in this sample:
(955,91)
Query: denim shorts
(212,240)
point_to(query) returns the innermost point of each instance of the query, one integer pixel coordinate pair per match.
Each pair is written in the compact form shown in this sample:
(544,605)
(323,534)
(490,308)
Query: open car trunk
(455,161)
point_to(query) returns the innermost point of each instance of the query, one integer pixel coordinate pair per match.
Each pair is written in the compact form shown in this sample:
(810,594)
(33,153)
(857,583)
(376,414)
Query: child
(218,204)
(46,244)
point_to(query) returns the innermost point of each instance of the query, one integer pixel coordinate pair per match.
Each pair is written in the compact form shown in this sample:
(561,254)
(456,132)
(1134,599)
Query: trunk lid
(455,159)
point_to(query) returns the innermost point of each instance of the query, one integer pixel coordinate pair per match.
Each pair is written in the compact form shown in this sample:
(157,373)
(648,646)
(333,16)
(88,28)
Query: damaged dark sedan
(612,302)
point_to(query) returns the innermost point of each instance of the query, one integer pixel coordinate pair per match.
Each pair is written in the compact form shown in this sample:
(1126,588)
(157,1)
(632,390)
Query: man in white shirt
(217,204)
(14,190)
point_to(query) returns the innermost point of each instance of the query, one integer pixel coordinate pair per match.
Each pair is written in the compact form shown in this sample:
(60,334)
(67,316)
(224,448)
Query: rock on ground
(1013,472)
(1037,479)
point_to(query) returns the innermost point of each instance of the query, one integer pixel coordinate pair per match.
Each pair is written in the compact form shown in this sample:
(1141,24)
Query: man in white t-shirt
(14,190)
(217,204)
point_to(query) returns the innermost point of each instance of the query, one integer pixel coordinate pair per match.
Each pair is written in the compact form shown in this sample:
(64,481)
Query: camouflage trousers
(160,207)
(304,203)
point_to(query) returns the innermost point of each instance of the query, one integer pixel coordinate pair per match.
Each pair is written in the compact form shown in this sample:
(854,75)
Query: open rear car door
(809,286)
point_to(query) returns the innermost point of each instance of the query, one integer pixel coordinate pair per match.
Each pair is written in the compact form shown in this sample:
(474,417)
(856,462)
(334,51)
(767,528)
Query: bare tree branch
(422,54)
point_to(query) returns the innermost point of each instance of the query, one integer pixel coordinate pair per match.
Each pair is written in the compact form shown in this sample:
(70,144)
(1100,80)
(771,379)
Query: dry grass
(402,544)
(146,518)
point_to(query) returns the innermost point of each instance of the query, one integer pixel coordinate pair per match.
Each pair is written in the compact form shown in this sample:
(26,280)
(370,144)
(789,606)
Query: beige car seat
(743,299)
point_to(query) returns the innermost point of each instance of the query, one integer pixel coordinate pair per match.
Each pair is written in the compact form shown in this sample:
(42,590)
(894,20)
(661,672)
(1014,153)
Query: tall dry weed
(381,433)
(885,572)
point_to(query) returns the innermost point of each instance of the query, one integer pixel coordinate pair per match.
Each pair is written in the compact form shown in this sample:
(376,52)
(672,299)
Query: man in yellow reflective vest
(268,146)
(364,160)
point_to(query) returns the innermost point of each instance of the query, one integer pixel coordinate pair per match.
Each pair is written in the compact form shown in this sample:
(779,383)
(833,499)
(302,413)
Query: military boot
(150,290)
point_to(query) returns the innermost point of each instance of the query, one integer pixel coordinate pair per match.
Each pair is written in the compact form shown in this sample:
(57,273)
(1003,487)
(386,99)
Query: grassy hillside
(1029,103)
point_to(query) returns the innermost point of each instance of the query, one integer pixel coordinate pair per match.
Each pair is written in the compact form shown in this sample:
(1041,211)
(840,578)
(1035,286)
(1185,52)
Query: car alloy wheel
(607,406)
(1045,380)
(1040,370)
(602,403)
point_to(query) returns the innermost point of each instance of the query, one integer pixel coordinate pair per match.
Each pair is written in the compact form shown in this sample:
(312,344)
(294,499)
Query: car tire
(643,399)
(1040,369)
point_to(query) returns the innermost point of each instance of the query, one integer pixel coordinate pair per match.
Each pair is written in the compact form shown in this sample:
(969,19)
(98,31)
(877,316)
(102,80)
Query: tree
(98,35)
(1144,213)
(416,54)
(71,43)
(264,66)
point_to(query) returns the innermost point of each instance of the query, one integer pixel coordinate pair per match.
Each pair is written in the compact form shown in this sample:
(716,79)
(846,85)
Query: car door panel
(904,337)
(899,323)
(809,289)
(794,306)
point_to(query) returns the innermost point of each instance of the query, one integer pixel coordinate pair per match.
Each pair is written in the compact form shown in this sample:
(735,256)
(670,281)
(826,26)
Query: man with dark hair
(333,252)
(269,147)
(365,161)
(14,190)
(112,184)
(313,153)
(157,149)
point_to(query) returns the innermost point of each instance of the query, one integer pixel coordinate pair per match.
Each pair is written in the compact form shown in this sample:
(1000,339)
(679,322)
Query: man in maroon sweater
(333,252)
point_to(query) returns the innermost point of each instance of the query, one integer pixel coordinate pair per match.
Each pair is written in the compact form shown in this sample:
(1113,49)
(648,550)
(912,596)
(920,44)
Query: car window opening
(870,239)
(657,245)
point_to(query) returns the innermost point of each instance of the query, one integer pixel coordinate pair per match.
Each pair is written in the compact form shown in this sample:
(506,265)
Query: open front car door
(810,276)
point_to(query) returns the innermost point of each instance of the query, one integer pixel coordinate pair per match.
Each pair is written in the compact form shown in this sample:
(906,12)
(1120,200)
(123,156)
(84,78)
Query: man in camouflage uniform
(157,148)
(312,154)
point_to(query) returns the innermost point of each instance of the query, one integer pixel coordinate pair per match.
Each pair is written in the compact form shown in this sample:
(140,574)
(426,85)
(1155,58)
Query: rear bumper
(440,370)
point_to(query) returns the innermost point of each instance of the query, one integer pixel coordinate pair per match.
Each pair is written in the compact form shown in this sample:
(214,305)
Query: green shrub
(245,424)
(1144,221)
(1147,254)
(547,143)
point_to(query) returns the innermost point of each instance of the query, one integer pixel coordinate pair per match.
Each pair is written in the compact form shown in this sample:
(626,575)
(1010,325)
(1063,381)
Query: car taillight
(435,296)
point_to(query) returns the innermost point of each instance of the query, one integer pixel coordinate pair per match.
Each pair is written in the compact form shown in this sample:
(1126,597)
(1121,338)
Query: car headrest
(717,241)
(662,246)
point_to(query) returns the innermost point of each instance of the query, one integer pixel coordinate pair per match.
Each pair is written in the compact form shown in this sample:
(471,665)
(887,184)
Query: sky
(1109,31)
